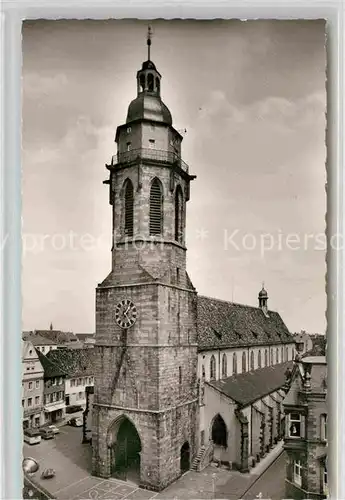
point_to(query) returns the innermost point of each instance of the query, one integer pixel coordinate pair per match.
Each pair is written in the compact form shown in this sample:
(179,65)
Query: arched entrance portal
(219,432)
(185,457)
(125,448)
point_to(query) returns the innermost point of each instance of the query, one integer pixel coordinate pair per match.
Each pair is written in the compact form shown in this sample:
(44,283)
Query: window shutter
(155,208)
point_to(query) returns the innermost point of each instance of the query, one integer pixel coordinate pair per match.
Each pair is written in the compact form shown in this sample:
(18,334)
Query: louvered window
(178,214)
(156,203)
(129,208)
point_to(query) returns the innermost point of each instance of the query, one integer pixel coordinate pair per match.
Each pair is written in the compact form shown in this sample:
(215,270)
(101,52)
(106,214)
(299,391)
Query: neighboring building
(57,336)
(303,341)
(72,345)
(242,415)
(78,366)
(32,386)
(305,407)
(41,344)
(319,344)
(87,339)
(54,389)
(167,362)
(87,415)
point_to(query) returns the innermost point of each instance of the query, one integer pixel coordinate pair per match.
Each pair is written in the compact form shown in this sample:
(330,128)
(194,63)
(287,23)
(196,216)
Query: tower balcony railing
(159,155)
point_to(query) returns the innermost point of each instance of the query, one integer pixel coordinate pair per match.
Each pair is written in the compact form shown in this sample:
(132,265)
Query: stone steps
(197,459)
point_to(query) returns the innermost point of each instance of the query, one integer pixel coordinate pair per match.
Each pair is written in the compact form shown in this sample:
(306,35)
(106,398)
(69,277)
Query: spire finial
(149,36)
(263,285)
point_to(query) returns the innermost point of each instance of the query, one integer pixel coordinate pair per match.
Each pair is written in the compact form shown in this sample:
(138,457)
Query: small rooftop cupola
(148,104)
(148,78)
(263,298)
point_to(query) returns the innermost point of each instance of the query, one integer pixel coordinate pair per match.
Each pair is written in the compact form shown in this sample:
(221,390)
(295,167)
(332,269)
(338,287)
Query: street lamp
(29,467)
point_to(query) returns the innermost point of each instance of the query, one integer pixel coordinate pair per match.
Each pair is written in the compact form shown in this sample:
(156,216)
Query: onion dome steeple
(263,298)
(148,104)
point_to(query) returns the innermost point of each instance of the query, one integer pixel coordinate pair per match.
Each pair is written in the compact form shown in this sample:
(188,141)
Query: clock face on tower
(125,313)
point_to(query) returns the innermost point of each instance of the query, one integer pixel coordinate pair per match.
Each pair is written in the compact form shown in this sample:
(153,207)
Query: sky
(251,96)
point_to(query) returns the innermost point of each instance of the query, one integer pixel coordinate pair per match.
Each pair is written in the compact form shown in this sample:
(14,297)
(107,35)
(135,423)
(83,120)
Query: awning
(56,407)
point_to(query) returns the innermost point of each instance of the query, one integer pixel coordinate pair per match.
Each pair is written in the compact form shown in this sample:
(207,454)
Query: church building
(179,379)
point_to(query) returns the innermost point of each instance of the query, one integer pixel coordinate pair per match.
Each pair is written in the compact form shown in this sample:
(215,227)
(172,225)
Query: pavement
(271,484)
(72,462)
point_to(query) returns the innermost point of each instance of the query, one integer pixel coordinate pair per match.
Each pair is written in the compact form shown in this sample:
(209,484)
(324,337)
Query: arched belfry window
(178,214)
(129,212)
(158,85)
(156,208)
(142,82)
(150,82)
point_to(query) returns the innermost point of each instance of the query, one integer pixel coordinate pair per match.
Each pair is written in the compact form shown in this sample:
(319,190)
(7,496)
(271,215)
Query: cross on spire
(149,36)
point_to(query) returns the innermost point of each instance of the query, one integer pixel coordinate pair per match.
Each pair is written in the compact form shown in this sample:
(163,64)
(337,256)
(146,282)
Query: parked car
(52,427)
(74,408)
(46,433)
(32,436)
(55,429)
(76,422)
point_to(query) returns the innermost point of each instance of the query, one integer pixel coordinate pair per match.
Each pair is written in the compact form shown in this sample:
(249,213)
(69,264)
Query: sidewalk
(238,483)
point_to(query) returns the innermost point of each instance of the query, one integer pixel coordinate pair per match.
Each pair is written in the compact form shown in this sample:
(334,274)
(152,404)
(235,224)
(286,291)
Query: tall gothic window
(282,354)
(234,364)
(252,361)
(244,364)
(213,368)
(224,366)
(178,214)
(156,208)
(277,355)
(266,357)
(129,208)
(259,359)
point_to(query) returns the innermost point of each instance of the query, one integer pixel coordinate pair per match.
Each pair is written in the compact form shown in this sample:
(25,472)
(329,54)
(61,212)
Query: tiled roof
(224,324)
(50,368)
(248,387)
(38,340)
(57,336)
(83,336)
(74,362)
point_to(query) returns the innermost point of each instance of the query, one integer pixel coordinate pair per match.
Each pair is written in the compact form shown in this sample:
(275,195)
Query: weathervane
(149,36)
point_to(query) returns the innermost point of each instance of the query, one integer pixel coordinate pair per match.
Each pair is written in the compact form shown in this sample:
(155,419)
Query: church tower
(145,412)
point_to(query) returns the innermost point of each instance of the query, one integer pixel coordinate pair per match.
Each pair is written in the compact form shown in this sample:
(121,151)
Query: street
(72,462)
(271,484)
